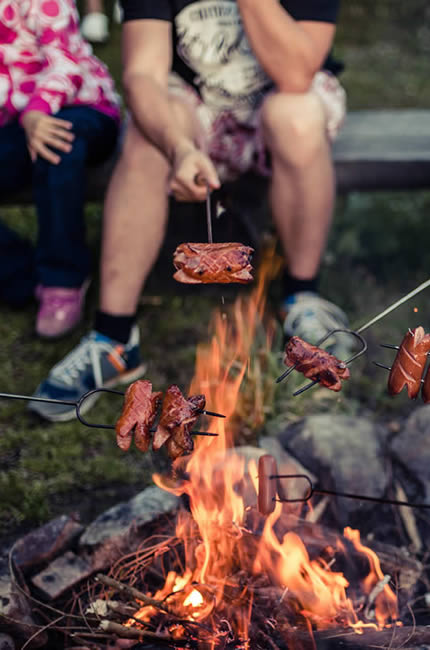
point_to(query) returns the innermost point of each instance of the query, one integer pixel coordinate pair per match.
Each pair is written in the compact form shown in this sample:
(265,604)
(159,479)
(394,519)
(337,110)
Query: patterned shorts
(236,147)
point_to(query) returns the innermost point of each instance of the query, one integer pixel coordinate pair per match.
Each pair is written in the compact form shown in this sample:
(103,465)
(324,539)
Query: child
(58,113)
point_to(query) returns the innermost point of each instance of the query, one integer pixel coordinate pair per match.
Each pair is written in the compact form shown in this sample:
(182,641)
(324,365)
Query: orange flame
(217,539)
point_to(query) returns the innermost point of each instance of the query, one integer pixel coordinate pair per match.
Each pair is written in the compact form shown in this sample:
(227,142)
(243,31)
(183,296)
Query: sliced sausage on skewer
(213,263)
(138,415)
(315,363)
(267,467)
(178,416)
(409,364)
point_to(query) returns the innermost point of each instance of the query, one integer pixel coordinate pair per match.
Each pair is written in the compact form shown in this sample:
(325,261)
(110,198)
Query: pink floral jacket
(45,64)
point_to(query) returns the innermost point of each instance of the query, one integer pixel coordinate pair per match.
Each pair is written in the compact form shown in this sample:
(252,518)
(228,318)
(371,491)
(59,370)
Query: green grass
(378,250)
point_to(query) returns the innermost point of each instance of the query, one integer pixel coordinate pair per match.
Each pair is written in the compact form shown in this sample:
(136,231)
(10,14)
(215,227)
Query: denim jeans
(61,257)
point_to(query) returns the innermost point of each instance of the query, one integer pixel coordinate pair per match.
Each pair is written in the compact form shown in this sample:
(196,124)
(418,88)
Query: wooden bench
(376,150)
(383,150)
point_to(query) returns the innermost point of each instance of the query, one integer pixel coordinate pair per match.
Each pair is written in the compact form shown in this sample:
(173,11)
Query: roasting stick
(79,403)
(200,180)
(361,329)
(209,214)
(344,495)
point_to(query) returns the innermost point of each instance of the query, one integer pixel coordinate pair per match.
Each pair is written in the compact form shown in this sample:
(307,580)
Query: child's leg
(17,271)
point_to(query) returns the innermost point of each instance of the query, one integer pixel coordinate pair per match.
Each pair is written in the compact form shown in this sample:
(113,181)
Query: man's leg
(134,224)
(135,220)
(302,188)
(302,197)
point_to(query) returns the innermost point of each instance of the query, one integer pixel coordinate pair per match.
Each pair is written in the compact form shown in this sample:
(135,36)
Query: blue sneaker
(311,318)
(97,362)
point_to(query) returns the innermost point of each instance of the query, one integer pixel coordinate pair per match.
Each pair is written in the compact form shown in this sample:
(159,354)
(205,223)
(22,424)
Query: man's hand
(192,172)
(43,131)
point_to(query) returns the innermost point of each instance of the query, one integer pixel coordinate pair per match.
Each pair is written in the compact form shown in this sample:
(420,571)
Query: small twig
(134,633)
(121,609)
(284,593)
(88,635)
(409,520)
(38,632)
(134,593)
(316,512)
(377,589)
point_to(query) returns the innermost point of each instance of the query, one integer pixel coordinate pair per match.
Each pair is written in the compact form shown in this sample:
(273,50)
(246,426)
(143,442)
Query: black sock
(291,285)
(115,327)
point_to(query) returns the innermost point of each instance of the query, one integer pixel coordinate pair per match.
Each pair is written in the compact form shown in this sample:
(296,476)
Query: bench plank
(383,150)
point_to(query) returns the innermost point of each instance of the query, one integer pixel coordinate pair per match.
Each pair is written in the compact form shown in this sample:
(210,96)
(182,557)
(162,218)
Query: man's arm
(290,52)
(147,59)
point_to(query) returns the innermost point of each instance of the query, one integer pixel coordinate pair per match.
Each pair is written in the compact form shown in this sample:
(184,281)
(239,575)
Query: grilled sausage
(138,414)
(213,263)
(315,363)
(266,486)
(408,366)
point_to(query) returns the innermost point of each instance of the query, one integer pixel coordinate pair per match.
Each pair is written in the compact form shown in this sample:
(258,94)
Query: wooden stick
(134,593)
(133,632)
(121,609)
(409,520)
(397,637)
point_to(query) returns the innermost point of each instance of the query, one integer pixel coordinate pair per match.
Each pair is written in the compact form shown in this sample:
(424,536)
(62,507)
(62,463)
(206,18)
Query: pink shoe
(60,310)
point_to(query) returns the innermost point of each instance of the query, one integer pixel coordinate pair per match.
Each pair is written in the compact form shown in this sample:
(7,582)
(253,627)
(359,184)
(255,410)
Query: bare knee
(294,127)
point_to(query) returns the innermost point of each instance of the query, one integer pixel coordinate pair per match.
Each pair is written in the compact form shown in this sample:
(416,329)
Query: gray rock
(6,642)
(62,574)
(15,611)
(344,452)
(412,446)
(44,543)
(115,522)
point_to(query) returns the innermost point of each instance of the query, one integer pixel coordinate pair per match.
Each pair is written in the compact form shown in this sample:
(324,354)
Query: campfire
(221,575)
(238,579)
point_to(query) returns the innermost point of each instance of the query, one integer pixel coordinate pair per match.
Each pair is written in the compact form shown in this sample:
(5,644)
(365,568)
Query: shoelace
(314,318)
(308,324)
(86,354)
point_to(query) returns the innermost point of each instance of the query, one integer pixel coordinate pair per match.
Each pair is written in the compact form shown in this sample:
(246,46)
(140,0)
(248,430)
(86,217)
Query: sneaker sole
(125,378)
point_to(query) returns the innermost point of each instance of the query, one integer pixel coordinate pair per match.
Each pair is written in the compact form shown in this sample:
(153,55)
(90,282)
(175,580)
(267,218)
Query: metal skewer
(201,180)
(358,331)
(345,495)
(209,213)
(355,356)
(79,403)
